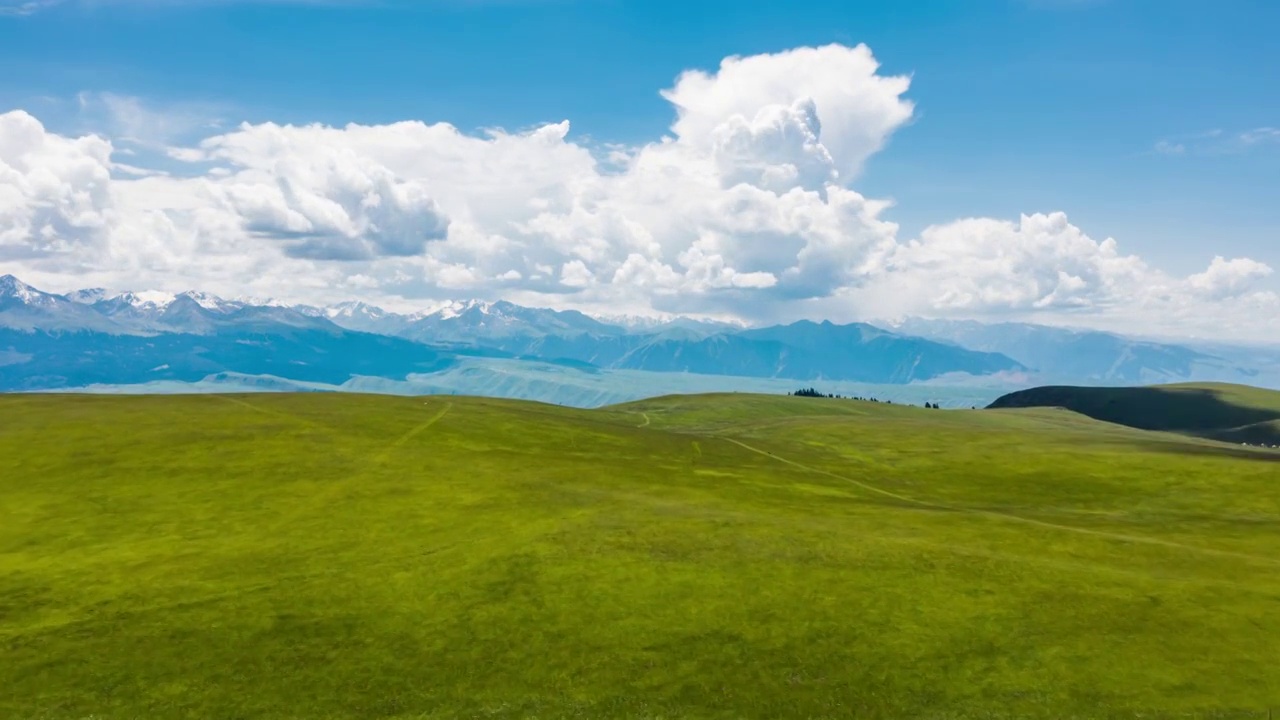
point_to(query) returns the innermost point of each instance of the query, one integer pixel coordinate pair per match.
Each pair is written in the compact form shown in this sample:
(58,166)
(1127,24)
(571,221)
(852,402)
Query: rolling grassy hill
(727,556)
(1230,413)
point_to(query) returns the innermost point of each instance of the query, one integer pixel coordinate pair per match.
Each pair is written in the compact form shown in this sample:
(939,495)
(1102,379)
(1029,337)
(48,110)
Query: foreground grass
(335,556)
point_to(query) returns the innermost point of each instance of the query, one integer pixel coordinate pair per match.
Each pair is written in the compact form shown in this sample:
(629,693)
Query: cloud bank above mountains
(747,208)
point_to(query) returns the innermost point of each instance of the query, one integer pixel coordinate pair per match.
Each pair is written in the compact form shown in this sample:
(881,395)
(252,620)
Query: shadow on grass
(1223,451)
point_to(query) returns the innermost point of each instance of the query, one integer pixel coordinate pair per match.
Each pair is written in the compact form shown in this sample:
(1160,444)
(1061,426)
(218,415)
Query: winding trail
(646,420)
(1013,518)
(272,412)
(417,430)
(330,490)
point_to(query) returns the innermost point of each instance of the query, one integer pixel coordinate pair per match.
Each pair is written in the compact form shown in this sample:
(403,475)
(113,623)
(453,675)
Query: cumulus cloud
(1041,262)
(325,202)
(746,208)
(54,191)
(840,87)
(1228,278)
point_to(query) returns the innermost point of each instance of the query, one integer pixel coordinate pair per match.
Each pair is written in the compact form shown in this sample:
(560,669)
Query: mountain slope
(485,324)
(861,352)
(39,360)
(1080,356)
(23,307)
(1231,413)
(803,351)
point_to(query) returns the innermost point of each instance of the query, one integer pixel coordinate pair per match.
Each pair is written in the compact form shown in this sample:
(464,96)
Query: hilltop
(1230,413)
(356,556)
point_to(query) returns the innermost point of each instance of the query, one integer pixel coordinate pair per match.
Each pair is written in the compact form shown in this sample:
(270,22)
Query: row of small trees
(812,392)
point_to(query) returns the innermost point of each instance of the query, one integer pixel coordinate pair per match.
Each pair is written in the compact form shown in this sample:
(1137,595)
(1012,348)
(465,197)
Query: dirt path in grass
(272,412)
(331,490)
(1005,516)
(416,431)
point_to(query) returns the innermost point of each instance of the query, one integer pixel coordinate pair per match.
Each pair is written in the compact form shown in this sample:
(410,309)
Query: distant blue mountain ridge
(92,337)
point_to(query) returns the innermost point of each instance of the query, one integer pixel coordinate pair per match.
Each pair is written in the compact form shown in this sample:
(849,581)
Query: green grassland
(725,556)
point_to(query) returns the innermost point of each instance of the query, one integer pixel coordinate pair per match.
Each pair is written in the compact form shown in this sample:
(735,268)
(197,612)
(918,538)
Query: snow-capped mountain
(211,302)
(110,336)
(52,341)
(479,323)
(667,322)
(15,292)
(88,296)
(459,322)
(363,317)
(25,308)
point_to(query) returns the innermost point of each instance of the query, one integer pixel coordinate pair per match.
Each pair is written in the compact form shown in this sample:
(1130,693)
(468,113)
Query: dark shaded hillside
(1231,413)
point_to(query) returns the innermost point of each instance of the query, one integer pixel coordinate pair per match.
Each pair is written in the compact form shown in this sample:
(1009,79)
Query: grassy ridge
(320,556)
(1230,413)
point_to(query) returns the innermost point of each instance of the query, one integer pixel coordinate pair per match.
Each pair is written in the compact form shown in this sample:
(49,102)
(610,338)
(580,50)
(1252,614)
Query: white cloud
(1229,278)
(54,191)
(746,209)
(857,108)
(1042,262)
(326,202)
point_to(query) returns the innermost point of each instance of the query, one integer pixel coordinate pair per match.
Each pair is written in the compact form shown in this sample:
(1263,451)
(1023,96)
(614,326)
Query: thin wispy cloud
(1062,4)
(1218,142)
(1260,135)
(127,119)
(22,8)
(28,7)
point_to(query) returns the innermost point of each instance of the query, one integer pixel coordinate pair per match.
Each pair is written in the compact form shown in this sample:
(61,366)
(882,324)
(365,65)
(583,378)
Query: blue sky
(1151,121)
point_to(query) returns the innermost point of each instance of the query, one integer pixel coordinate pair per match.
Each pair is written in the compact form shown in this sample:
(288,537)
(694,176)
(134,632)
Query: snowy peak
(482,323)
(667,323)
(147,301)
(23,307)
(211,302)
(11,288)
(112,301)
(354,309)
(459,308)
(361,317)
(88,296)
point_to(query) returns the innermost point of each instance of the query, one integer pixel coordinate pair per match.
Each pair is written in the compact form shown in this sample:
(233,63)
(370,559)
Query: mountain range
(96,337)
(1057,354)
